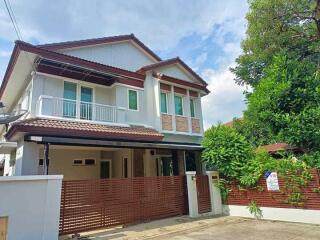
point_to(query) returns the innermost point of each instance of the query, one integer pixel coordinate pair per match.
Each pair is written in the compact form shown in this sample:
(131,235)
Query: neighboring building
(279,150)
(100,108)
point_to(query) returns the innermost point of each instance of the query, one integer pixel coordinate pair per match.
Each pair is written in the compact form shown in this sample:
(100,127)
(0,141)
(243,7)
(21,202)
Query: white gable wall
(176,72)
(122,55)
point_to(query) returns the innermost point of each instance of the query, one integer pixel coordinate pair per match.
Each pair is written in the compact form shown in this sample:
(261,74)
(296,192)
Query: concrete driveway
(221,228)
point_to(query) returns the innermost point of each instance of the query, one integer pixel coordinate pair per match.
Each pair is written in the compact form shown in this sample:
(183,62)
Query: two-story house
(100,108)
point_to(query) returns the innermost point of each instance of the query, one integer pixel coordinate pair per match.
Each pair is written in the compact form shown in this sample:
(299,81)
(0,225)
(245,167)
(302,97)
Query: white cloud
(4,53)
(159,23)
(225,100)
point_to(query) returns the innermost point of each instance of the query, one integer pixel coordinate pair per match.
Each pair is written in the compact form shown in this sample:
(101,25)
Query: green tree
(284,106)
(226,150)
(292,27)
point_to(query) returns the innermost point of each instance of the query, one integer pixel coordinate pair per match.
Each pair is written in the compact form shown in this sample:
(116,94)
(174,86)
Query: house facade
(100,108)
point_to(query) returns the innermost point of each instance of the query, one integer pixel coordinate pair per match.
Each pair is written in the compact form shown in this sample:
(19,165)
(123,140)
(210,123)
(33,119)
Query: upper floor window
(133,99)
(164,103)
(192,108)
(178,105)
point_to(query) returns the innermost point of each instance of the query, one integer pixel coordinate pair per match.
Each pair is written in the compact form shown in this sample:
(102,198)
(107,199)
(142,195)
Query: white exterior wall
(177,72)
(278,214)
(27,157)
(122,55)
(32,205)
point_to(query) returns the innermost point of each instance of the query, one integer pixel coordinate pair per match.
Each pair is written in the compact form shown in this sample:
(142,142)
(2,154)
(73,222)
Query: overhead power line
(13,19)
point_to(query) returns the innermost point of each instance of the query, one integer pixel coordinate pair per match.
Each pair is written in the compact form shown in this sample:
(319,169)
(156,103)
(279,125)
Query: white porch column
(188,112)
(173,110)
(192,194)
(215,196)
(27,158)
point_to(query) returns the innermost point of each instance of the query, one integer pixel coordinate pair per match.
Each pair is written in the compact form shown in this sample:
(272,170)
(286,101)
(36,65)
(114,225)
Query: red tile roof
(98,41)
(276,147)
(171,61)
(65,128)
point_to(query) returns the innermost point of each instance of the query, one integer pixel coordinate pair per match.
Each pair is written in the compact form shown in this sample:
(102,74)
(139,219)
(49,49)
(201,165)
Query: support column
(27,158)
(215,195)
(181,162)
(199,165)
(46,159)
(192,194)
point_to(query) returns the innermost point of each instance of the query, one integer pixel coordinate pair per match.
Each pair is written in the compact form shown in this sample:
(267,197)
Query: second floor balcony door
(69,100)
(77,101)
(86,103)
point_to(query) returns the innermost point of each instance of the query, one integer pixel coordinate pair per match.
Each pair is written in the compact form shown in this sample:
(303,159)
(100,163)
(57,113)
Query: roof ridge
(82,40)
(77,58)
(172,61)
(96,41)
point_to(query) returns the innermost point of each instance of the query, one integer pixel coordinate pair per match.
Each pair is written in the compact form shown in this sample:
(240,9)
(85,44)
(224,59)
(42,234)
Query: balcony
(66,108)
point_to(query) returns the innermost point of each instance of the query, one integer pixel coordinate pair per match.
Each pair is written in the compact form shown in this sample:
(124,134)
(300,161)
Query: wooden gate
(203,194)
(93,204)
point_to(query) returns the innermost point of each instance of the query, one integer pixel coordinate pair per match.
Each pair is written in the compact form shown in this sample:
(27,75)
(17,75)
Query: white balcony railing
(66,108)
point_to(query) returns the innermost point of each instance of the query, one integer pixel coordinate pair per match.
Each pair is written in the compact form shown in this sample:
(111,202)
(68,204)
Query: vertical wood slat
(93,204)
(203,194)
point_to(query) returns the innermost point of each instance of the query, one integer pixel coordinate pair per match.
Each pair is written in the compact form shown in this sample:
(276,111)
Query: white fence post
(215,195)
(192,194)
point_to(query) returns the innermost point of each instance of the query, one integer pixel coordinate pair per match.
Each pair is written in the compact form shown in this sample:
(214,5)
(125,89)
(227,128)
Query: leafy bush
(312,159)
(255,210)
(226,150)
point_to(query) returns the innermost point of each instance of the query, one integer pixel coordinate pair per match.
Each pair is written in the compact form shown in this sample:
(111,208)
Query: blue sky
(206,34)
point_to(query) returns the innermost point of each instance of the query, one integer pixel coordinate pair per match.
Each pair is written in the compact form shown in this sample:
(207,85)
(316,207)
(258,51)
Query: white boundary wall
(279,214)
(215,196)
(32,205)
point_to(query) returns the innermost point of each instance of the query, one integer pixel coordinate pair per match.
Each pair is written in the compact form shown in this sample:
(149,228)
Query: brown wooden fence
(277,199)
(203,194)
(93,204)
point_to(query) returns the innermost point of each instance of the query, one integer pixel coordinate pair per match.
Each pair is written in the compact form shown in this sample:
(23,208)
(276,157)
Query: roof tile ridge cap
(192,71)
(146,47)
(82,40)
(157,63)
(82,59)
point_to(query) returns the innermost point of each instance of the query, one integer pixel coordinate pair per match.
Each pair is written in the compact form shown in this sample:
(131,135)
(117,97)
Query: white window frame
(194,107)
(78,90)
(166,93)
(128,100)
(182,102)
(84,161)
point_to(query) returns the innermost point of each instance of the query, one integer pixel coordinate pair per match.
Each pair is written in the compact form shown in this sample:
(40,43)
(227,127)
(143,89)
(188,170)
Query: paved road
(221,228)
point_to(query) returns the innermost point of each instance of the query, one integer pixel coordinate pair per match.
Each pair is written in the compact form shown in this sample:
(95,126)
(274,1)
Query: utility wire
(13,19)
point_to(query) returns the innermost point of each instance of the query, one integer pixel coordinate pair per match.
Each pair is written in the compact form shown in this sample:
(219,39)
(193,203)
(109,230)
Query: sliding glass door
(70,97)
(86,103)
(69,100)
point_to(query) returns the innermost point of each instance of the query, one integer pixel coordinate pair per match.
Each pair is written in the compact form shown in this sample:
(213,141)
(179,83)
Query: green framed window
(178,105)
(133,99)
(192,112)
(164,105)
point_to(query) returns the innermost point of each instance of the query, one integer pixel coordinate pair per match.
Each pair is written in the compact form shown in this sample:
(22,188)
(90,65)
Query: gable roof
(134,77)
(276,147)
(98,41)
(172,61)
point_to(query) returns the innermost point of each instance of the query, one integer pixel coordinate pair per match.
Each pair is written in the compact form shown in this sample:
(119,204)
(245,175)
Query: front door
(105,169)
